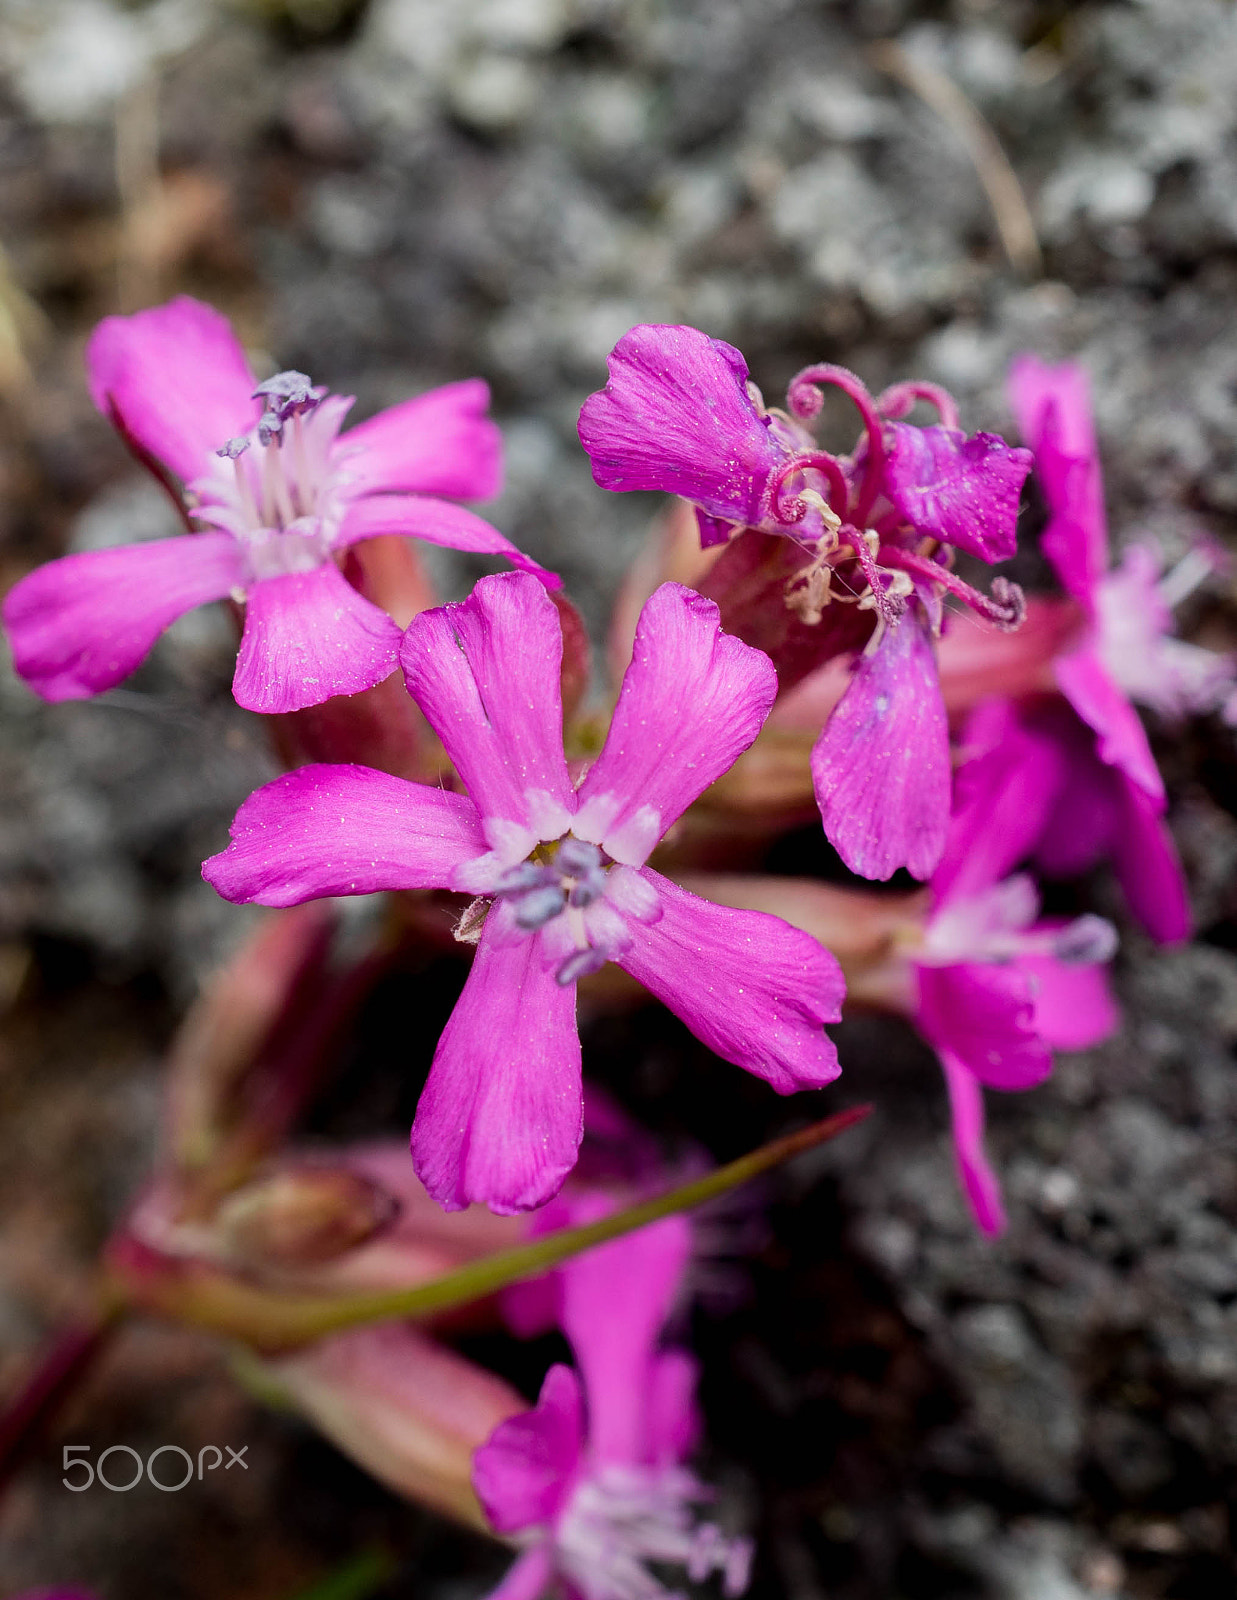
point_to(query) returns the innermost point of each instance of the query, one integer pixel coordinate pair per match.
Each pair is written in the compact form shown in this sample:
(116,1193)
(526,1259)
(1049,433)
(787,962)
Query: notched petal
(962,491)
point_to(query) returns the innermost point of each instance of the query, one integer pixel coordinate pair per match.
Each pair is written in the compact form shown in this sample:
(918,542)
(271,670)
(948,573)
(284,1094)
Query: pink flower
(280,495)
(680,415)
(559,872)
(996,990)
(590,1482)
(1107,796)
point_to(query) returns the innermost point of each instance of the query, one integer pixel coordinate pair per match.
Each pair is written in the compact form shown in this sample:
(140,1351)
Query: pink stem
(1006,606)
(804,399)
(57,1372)
(793,511)
(886,607)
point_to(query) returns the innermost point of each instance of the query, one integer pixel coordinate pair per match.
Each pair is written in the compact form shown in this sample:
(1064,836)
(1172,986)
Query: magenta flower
(280,495)
(878,529)
(1108,797)
(590,1482)
(996,990)
(559,871)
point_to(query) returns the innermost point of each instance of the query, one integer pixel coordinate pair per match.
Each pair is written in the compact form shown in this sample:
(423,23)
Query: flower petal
(979,1182)
(437,522)
(1053,408)
(1147,865)
(486,674)
(1083,819)
(985,1015)
(673,1417)
(440,442)
(1122,740)
(500,1118)
(524,1470)
(334,830)
(1004,794)
(308,636)
(175,379)
(692,700)
(615,1301)
(81,624)
(1074,1004)
(405,1406)
(754,989)
(964,491)
(676,416)
(528,1576)
(881,767)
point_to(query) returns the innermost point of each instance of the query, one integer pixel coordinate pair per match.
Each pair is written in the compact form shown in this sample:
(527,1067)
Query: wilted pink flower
(1073,777)
(280,494)
(559,871)
(995,990)
(1129,607)
(591,1480)
(680,415)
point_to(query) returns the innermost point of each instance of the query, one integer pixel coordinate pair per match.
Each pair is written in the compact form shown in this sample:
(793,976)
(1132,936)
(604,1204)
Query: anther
(580,965)
(1085,942)
(576,858)
(528,875)
(538,906)
(285,391)
(233,448)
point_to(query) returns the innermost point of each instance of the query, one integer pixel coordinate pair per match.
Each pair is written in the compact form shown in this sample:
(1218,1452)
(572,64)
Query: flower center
(625,1516)
(277,489)
(561,875)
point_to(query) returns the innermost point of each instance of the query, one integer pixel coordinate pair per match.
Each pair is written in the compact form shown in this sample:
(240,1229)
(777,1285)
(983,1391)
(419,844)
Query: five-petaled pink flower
(994,990)
(590,1481)
(279,493)
(561,868)
(881,525)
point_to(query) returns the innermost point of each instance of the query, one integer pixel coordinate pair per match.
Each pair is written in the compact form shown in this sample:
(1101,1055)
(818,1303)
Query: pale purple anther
(280,495)
(559,871)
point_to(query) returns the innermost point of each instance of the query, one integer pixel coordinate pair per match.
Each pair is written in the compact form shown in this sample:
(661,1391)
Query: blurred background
(391,194)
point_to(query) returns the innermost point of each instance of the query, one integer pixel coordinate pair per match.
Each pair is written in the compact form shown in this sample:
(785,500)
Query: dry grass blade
(1000,181)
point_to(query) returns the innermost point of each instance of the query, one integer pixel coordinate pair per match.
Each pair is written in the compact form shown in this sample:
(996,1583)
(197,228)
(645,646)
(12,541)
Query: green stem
(198,1293)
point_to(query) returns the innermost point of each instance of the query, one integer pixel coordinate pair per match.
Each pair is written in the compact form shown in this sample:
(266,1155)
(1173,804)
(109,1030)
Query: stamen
(286,392)
(1195,567)
(538,906)
(233,448)
(518,880)
(580,965)
(1086,942)
(277,502)
(577,858)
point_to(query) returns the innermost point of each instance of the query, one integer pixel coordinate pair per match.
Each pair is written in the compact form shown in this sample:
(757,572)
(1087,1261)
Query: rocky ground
(394,194)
